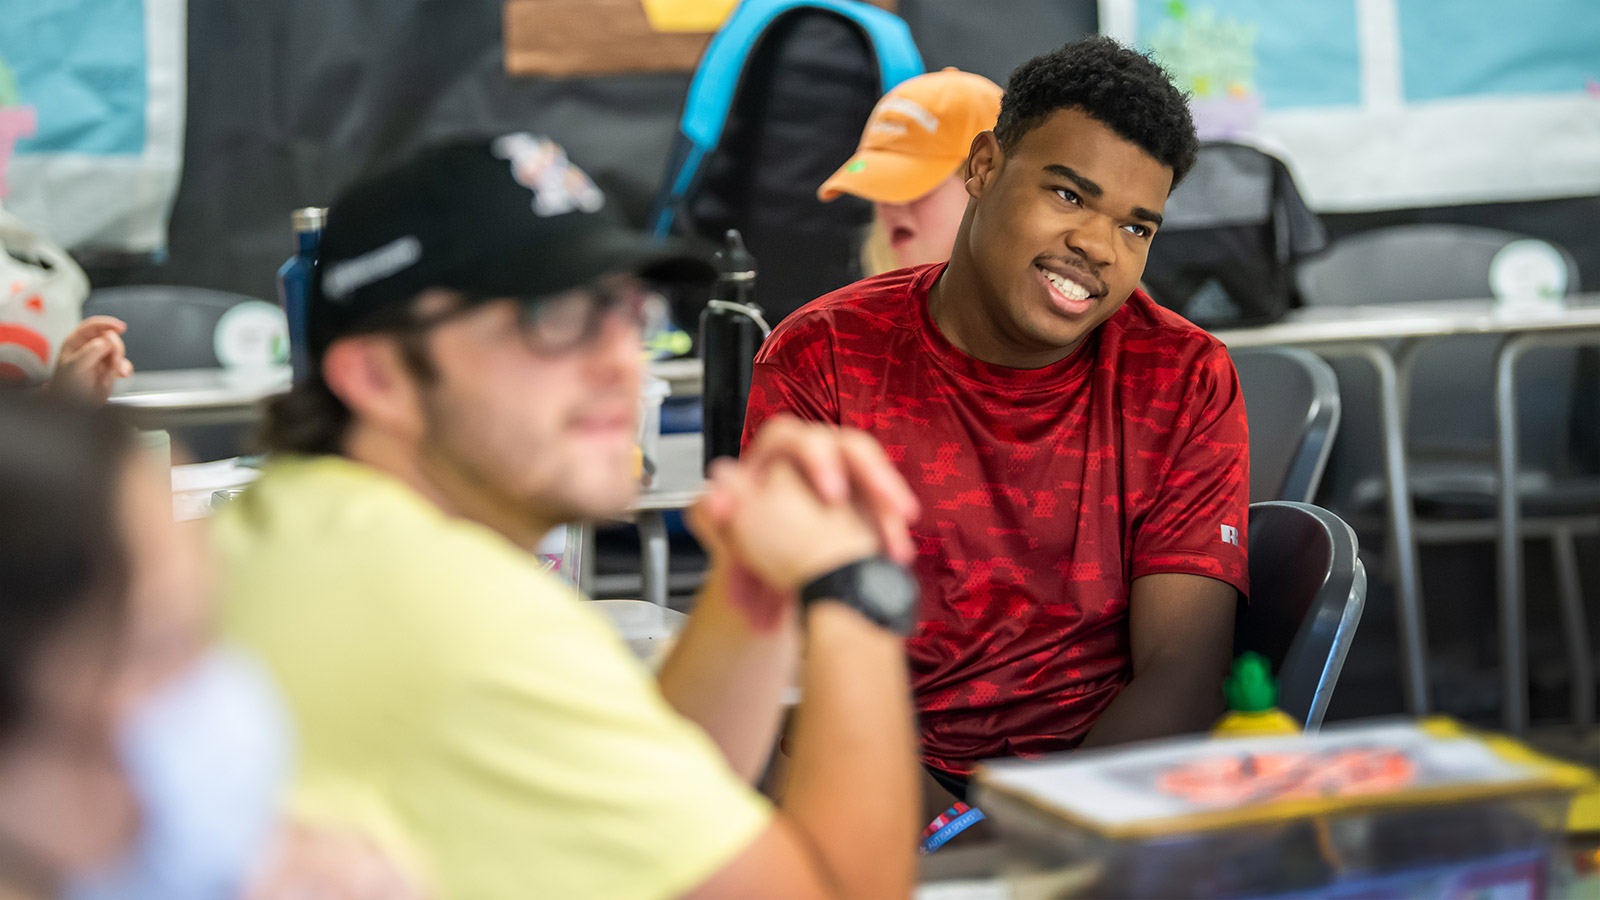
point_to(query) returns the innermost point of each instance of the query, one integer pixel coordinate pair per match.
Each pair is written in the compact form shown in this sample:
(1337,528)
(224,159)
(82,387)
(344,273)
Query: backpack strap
(716,80)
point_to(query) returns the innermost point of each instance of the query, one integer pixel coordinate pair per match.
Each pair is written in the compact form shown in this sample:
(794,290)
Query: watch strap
(844,585)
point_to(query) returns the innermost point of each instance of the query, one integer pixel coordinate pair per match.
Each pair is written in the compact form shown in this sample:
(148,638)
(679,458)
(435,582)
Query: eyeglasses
(572,320)
(563,323)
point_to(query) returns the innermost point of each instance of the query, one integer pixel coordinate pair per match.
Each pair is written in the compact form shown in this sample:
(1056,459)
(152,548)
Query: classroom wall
(289,100)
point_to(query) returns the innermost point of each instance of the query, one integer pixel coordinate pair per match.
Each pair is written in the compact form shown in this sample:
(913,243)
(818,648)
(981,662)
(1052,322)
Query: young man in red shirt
(1080,452)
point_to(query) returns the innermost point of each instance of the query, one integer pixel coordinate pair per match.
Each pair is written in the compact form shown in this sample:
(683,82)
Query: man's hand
(850,480)
(844,467)
(769,533)
(91,359)
(773,524)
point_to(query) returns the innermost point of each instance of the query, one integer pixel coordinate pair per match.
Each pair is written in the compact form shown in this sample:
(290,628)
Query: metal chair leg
(1513,623)
(1575,625)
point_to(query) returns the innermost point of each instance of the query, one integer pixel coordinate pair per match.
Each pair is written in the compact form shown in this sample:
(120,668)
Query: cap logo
(541,166)
(351,275)
(908,108)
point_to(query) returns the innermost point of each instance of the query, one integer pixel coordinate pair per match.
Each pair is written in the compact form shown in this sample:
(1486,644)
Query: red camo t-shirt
(1045,493)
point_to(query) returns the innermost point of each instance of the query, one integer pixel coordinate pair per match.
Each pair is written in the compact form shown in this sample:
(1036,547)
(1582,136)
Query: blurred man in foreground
(474,324)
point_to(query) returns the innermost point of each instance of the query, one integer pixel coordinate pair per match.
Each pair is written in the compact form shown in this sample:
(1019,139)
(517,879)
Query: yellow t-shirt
(454,699)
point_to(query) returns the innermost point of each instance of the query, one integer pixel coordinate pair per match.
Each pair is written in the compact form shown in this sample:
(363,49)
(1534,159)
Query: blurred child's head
(909,165)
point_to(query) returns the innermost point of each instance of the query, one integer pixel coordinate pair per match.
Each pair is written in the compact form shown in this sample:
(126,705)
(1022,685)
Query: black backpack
(1234,231)
(778,103)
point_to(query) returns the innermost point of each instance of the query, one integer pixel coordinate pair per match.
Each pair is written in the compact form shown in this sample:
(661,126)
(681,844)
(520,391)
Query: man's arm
(847,826)
(1181,622)
(1181,631)
(729,669)
(737,654)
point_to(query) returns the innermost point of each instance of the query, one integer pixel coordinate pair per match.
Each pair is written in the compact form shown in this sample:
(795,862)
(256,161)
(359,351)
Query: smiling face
(1055,242)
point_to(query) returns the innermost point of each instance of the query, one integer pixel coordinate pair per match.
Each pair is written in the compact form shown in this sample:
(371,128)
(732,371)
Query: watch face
(890,588)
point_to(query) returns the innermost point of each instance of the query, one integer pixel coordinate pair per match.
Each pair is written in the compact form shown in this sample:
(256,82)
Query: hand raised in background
(91,359)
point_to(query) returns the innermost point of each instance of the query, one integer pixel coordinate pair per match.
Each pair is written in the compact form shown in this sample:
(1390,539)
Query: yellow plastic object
(1253,701)
(694,16)
(638,461)
(1583,817)
(1271,721)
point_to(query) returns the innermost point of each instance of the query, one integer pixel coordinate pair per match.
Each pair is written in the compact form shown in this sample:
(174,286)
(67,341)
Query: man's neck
(962,308)
(445,491)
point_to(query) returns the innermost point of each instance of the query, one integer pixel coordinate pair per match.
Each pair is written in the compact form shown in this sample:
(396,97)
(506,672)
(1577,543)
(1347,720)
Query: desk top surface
(179,389)
(1434,318)
(680,476)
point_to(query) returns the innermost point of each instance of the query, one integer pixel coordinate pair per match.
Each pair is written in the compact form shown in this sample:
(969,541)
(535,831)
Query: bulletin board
(1382,104)
(566,38)
(92,118)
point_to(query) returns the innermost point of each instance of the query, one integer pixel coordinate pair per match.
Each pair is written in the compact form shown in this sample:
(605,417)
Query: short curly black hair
(1119,87)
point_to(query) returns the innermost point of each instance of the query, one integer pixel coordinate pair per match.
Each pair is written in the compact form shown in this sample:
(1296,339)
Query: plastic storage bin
(1387,810)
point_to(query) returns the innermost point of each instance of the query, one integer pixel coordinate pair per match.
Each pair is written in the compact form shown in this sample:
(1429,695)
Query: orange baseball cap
(917,135)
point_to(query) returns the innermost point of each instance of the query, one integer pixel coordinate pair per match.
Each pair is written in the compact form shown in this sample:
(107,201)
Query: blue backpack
(778,103)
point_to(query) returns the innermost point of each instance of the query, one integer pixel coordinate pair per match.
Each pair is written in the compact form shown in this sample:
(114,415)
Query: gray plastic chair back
(1307,591)
(169,326)
(1292,400)
(1408,263)
(1450,412)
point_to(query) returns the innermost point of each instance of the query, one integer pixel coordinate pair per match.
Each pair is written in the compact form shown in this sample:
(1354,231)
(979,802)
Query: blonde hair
(877,257)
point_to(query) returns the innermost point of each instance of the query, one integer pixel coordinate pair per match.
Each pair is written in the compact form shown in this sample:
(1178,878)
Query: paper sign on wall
(92,108)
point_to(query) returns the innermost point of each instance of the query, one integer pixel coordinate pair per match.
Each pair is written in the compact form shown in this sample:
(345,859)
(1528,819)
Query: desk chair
(1449,403)
(1292,400)
(1307,591)
(174,327)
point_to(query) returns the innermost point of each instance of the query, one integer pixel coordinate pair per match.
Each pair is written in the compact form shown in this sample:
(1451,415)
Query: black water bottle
(731,331)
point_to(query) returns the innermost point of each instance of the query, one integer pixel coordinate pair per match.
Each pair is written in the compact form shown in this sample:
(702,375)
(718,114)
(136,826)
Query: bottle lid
(733,261)
(309,218)
(1251,687)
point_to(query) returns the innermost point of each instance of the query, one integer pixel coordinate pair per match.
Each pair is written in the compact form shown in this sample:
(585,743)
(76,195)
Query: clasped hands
(803,500)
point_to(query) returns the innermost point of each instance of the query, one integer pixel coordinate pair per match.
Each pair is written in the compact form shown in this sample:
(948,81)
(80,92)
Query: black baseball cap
(511,216)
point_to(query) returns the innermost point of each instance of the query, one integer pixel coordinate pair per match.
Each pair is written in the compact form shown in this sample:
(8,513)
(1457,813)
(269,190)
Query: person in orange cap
(908,164)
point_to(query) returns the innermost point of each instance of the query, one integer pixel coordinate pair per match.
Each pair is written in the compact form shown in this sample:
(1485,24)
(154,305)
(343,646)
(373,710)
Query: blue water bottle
(294,279)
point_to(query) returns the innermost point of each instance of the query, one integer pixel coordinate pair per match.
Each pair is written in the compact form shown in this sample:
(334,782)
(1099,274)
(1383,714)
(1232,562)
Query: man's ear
(983,160)
(367,373)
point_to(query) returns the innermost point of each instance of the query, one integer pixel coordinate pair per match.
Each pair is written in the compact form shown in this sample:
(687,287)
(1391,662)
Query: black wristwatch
(876,587)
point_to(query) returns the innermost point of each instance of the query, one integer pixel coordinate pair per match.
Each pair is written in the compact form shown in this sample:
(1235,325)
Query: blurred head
(472,335)
(910,164)
(923,230)
(105,602)
(136,758)
(1067,194)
